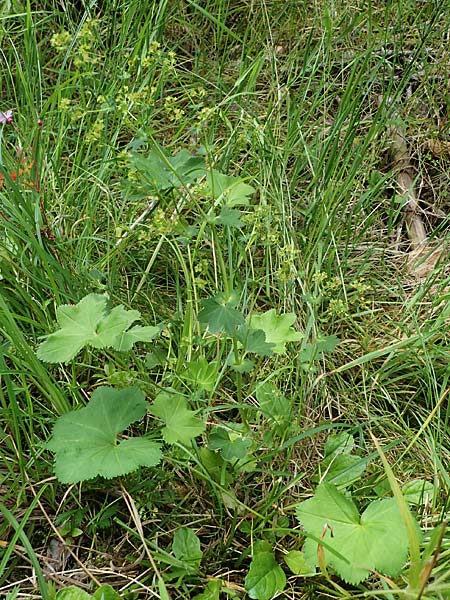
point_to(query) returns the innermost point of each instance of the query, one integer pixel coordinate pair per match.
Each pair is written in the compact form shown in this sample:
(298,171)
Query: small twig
(405,183)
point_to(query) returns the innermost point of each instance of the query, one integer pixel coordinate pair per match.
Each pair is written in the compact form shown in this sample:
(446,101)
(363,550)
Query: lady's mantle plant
(85,441)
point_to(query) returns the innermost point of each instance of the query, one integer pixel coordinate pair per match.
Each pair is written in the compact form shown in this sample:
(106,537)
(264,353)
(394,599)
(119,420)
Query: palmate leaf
(278,329)
(272,404)
(232,191)
(375,541)
(73,593)
(85,441)
(181,424)
(254,341)
(229,217)
(220,314)
(201,373)
(233,445)
(160,172)
(89,324)
(211,592)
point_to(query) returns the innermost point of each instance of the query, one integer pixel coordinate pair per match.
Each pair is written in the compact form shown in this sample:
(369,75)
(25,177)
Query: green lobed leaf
(241,365)
(342,469)
(418,492)
(340,443)
(326,344)
(126,339)
(278,329)
(160,172)
(201,373)
(254,341)
(89,324)
(220,314)
(85,441)
(112,326)
(232,191)
(106,592)
(354,545)
(272,404)
(295,560)
(181,424)
(78,324)
(229,217)
(232,445)
(339,467)
(265,577)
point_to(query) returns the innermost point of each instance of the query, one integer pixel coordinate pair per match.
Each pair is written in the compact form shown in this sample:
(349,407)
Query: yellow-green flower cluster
(289,257)
(339,304)
(86,52)
(266,226)
(201,269)
(337,307)
(61,41)
(96,130)
(173,111)
(84,45)
(161,224)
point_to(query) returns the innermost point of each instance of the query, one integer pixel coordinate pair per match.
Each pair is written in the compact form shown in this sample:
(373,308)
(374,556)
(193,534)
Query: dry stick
(405,182)
(422,259)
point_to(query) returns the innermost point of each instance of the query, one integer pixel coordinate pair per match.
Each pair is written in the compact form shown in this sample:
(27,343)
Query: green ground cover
(223,354)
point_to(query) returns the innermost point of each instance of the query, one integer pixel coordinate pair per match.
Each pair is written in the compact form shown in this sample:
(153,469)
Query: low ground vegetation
(223,348)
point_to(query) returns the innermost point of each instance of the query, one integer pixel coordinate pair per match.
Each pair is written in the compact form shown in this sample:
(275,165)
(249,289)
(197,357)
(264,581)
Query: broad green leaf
(163,593)
(232,445)
(88,323)
(106,592)
(240,366)
(112,326)
(186,547)
(307,355)
(85,441)
(341,443)
(272,404)
(265,577)
(160,172)
(72,593)
(201,373)
(181,424)
(220,314)
(342,469)
(232,191)
(418,491)
(339,467)
(326,344)
(295,560)
(278,329)
(125,340)
(212,591)
(229,217)
(78,325)
(214,464)
(354,545)
(254,341)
